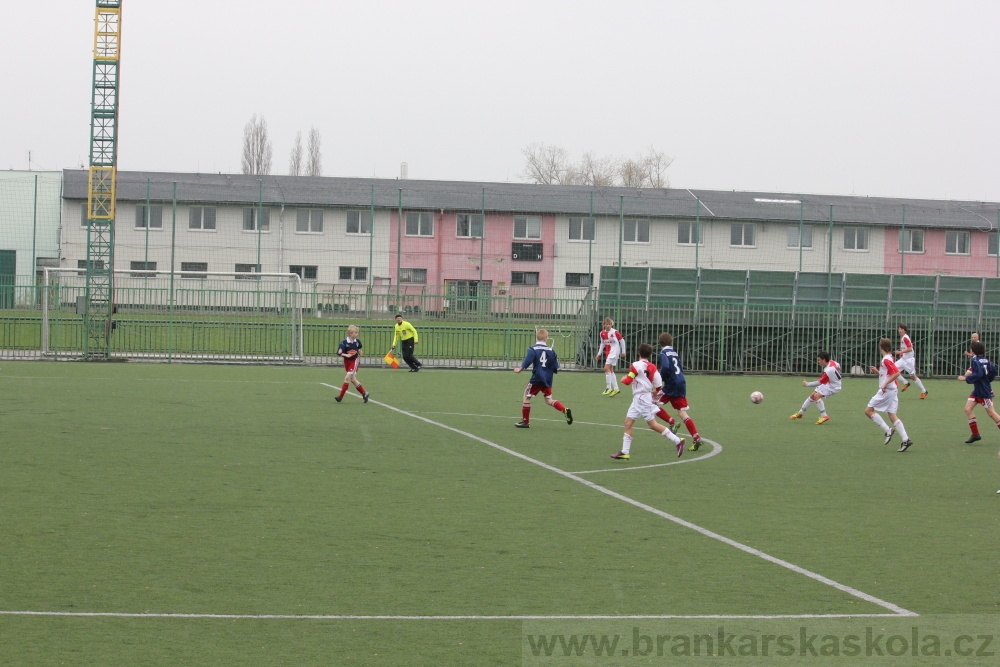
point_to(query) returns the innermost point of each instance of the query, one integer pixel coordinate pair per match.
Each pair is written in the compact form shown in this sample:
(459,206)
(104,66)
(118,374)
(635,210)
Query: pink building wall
(449,257)
(934,260)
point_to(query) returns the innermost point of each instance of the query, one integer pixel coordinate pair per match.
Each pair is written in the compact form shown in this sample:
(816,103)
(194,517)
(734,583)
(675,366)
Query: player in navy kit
(350,350)
(674,389)
(544,365)
(980,375)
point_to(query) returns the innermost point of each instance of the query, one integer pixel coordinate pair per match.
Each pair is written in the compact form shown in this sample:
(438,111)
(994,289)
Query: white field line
(387,617)
(899,611)
(716,447)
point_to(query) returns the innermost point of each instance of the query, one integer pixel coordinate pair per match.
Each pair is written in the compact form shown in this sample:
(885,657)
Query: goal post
(183,315)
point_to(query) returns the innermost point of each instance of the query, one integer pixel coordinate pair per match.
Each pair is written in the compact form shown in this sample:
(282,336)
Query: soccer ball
(756,397)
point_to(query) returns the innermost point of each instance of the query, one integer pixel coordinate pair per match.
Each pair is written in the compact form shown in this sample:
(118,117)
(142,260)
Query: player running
(980,375)
(544,365)
(674,389)
(644,379)
(612,347)
(886,399)
(350,350)
(827,385)
(907,361)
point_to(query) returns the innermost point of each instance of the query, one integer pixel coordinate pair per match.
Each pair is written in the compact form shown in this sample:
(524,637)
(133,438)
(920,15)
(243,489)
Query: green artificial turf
(224,490)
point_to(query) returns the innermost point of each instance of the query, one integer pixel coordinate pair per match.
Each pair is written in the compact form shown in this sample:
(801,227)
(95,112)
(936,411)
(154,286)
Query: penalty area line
(896,609)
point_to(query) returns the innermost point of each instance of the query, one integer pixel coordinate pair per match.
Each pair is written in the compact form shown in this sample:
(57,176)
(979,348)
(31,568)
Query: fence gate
(8,266)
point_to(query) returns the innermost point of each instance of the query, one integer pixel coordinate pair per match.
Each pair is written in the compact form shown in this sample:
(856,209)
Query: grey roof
(540,199)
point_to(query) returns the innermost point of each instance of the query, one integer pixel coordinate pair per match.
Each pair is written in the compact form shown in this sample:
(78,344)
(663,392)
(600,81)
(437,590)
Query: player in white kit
(908,361)
(886,399)
(827,385)
(644,380)
(612,348)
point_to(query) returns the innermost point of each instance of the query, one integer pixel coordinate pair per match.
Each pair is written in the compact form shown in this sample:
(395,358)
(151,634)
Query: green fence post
(902,245)
(172,297)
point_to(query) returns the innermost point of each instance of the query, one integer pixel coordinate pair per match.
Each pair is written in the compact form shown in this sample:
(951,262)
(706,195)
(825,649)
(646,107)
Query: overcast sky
(864,97)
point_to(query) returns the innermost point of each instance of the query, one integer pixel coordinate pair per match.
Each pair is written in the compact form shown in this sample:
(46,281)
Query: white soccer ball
(756,397)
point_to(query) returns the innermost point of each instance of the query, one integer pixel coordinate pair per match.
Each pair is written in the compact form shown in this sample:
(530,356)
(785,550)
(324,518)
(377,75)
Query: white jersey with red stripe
(647,379)
(831,377)
(612,343)
(906,343)
(886,368)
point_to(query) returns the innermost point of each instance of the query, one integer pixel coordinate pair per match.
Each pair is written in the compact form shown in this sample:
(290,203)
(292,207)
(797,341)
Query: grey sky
(848,97)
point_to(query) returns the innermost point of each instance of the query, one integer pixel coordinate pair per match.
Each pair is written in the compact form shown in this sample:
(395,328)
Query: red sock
(665,416)
(525,411)
(692,429)
(559,406)
(343,389)
(974,426)
(361,390)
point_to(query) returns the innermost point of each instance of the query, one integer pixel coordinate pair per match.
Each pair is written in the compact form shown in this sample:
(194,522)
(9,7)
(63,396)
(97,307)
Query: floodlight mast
(101,182)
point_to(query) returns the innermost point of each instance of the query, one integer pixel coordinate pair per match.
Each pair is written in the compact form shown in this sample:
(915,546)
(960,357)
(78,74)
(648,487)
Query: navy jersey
(674,384)
(348,344)
(983,373)
(542,359)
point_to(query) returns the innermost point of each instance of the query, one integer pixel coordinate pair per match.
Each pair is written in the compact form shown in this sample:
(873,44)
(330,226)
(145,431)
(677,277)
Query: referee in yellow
(407,334)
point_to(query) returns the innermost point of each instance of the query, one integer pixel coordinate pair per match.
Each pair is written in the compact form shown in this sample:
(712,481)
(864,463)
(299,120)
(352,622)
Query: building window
(469,225)
(688,233)
(201,217)
(138,268)
(83,214)
(194,266)
(991,244)
(305,272)
(309,221)
(636,231)
(413,276)
(956,243)
(911,240)
(581,229)
(524,278)
(806,240)
(419,223)
(155,217)
(741,234)
(579,279)
(359,222)
(855,238)
(354,273)
(98,265)
(527,227)
(526,252)
(247,271)
(251,216)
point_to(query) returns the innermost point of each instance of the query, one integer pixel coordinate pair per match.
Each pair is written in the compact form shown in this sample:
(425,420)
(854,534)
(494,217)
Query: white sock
(903,380)
(614,381)
(822,407)
(609,380)
(805,406)
(900,429)
(669,435)
(877,418)
(626,443)
(920,384)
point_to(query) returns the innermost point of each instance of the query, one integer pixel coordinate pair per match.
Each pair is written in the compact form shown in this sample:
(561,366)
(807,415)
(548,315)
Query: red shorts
(351,364)
(533,389)
(985,402)
(676,402)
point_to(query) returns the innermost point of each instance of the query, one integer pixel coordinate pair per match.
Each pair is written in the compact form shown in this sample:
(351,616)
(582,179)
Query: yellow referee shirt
(405,331)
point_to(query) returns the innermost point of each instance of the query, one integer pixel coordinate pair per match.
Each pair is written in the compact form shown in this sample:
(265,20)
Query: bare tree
(655,164)
(596,170)
(295,161)
(315,167)
(631,173)
(551,165)
(547,164)
(256,147)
